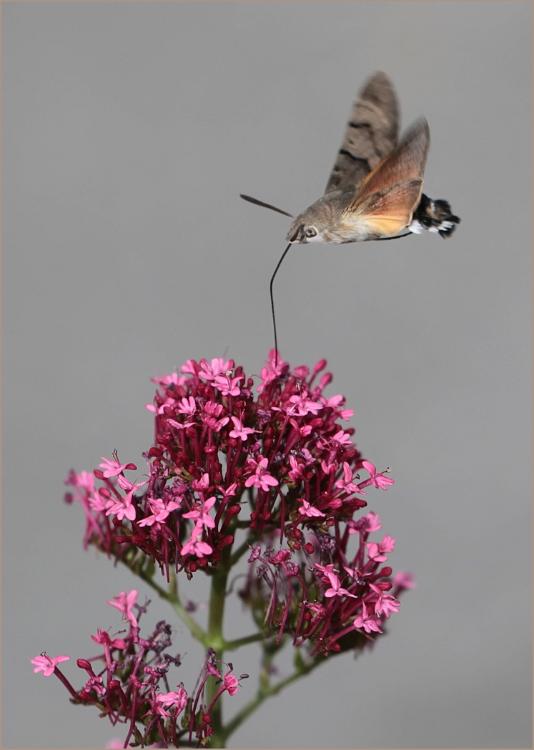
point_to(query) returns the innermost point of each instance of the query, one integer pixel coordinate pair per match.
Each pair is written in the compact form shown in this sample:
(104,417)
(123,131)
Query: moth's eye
(311,232)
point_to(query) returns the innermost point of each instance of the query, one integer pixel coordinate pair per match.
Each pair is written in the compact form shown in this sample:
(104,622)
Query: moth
(375,188)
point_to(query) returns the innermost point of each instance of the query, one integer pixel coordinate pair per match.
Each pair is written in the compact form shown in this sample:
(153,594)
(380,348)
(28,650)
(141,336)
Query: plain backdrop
(129,131)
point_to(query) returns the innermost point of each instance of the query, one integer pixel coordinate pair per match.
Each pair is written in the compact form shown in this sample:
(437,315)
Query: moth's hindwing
(388,196)
(388,213)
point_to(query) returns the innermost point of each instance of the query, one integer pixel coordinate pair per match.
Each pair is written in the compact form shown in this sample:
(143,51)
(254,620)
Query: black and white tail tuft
(434,216)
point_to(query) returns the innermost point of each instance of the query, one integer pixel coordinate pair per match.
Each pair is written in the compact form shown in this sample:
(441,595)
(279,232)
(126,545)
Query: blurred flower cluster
(129,682)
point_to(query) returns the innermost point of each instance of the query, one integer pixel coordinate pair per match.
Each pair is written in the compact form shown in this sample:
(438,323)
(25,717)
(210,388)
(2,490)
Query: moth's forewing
(370,136)
(387,197)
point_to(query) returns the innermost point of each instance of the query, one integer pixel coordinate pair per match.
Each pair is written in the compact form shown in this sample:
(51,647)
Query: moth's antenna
(257,202)
(293,238)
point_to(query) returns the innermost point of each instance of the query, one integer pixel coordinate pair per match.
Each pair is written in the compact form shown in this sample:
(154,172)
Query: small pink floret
(174,699)
(195,546)
(367,622)
(201,514)
(47,664)
(309,510)
(379,480)
(261,478)
(110,467)
(342,438)
(231,684)
(124,602)
(239,431)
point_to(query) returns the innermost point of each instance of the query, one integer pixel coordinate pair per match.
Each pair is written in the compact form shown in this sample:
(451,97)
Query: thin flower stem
(240,551)
(215,641)
(196,631)
(233,645)
(263,694)
(173,598)
(59,674)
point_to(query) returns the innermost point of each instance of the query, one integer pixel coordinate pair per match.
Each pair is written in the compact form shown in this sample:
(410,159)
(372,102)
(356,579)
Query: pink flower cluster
(322,595)
(274,459)
(129,683)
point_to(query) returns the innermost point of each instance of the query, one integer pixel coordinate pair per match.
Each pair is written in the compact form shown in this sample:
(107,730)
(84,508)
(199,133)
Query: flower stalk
(215,640)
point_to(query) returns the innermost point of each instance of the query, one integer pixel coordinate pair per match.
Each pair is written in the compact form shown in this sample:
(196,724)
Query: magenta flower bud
(320,365)
(384,585)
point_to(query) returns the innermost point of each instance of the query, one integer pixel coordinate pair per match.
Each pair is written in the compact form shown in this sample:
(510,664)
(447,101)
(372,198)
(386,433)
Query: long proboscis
(257,202)
(293,238)
(263,204)
(272,303)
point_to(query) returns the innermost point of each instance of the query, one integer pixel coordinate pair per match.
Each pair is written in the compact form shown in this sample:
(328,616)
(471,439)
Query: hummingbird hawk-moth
(374,191)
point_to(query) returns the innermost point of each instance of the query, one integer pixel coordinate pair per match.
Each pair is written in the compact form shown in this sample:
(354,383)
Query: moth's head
(309,226)
(318,223)
(302,233)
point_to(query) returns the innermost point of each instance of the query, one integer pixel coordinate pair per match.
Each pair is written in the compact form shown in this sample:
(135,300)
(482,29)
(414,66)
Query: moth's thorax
(327,217)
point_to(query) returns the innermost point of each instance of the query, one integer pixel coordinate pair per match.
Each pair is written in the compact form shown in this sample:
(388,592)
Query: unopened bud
(320,365)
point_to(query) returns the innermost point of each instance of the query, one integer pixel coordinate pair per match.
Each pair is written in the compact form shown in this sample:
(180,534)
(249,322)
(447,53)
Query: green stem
(264,693)
(170,596)
(233,645)
(195,629)
(239,552)
(215,641)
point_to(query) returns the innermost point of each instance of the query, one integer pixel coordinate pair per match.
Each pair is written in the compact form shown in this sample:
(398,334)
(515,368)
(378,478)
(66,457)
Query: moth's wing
(388,196)
(370,136)
(389,212)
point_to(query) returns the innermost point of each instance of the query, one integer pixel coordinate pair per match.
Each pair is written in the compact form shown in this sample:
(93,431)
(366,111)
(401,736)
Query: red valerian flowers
(125,682)
(263,474)
(272,460)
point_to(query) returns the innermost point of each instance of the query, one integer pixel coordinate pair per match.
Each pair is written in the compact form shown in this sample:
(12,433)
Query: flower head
(129,683)
(273,457)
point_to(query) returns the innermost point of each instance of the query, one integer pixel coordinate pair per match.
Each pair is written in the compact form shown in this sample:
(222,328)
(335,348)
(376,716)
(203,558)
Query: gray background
(129,132)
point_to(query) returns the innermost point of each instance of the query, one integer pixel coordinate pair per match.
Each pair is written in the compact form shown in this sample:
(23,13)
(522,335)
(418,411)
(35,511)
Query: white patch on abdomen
(416,227)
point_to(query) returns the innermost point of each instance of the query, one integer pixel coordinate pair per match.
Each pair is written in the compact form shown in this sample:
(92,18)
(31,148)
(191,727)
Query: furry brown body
(375,188)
